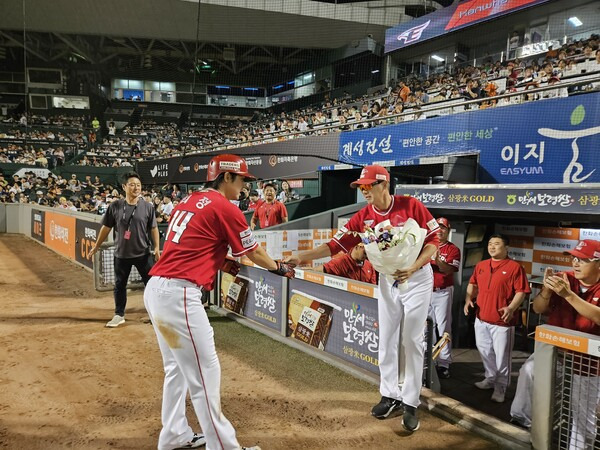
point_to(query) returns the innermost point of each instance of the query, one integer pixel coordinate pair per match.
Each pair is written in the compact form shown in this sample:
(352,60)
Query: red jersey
(401,209)
(270,214)
(345,266)
(450,254)
(202,226)
(253,205)
(498,284)
(562,314)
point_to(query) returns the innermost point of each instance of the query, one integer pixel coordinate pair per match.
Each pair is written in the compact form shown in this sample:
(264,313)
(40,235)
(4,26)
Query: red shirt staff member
(570,300)
(444,265)
(353,265)
(500,285)
(397,308)
(271,212)
(202,226)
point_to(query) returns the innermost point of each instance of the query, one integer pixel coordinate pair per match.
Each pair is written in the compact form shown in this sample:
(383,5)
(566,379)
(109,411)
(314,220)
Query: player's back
(195,242)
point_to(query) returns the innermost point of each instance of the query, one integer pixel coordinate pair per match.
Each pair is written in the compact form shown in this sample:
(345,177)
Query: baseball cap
(588,248)
(371,174)
(443,221)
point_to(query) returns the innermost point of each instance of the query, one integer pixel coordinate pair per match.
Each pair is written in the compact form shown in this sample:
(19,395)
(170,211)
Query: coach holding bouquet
(399,308)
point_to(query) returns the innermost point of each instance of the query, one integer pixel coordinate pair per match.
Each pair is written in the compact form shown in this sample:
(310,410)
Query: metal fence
(566,389)
(104,271)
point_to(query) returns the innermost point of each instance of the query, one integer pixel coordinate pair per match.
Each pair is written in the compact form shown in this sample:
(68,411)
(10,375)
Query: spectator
(271,212)
(167,207)
(96,125)
(254,200)
(112,129)
(353,265)
(286,194)
(499,284)
(570,299)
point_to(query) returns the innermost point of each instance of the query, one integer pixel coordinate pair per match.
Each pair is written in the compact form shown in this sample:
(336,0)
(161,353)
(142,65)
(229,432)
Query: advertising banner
(504,198)
(343,325)
(59,233)
(254,293)
(445,20)
(296,158)
(86,233)
(516,144)
(37,224)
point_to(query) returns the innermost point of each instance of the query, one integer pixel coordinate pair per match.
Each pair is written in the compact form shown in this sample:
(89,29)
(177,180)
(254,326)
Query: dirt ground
(66,381)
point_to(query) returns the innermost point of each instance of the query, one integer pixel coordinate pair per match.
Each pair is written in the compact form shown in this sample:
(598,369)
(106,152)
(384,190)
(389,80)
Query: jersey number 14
(178,225)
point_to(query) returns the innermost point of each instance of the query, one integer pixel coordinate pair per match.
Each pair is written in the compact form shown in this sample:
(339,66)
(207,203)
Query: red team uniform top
(401,209)
(270,214)
(202,226)
(562,314)
(450,254)
(498,282)
(346,266)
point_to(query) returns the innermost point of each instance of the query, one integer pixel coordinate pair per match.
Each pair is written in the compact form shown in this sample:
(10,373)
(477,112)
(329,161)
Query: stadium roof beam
(77,48)
(21,44)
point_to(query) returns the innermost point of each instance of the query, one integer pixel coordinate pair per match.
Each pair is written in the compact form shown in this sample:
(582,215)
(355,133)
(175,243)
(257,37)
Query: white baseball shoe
(256,447)
(116,321)
(197,441)
(485,384)
(498,395)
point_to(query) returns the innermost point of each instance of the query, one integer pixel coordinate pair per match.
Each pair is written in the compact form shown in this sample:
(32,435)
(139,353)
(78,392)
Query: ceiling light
(375,71)
(575,21)
(437,58)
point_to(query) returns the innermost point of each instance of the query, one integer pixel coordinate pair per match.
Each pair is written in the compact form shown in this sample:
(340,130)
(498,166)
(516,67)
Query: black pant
(122,270)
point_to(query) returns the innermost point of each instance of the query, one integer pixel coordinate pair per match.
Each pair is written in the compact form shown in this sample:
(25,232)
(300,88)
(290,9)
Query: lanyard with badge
(268,212)
(127,234)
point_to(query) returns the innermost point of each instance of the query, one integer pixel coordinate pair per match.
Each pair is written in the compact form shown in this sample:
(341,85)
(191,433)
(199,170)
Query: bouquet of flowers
(393,248)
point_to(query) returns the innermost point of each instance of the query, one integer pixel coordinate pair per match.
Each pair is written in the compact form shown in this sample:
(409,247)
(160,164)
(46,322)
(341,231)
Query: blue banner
(545,141)
(454,17)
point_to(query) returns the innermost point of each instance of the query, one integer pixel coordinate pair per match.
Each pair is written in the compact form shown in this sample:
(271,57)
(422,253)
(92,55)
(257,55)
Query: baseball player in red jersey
(202,226)
(500,285)
(571,300)
(445,263)
(398,308)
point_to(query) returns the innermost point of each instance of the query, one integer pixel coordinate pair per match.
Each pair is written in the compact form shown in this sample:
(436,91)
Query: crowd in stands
(58,120)
(405,100)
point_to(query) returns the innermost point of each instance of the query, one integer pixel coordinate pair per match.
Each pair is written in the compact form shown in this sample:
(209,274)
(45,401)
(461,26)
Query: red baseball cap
(443,221)
(588,248)
(371,174)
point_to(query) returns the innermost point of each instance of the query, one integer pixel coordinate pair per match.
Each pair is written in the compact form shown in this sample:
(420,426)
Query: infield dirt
(66,381)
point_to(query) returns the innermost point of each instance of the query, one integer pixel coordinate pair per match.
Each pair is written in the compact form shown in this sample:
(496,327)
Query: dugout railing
(566,389)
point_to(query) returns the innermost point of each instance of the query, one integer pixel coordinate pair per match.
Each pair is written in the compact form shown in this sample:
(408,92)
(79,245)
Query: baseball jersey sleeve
(347,236)
(332,267)
(453,257)
(283,209)
(473,279)
(236,231)
(425,220)
(521,283)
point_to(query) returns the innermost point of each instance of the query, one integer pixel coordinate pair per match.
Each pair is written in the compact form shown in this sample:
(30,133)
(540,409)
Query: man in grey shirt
(133,220)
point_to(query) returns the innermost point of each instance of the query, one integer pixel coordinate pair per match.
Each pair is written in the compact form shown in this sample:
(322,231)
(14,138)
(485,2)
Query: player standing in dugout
(202,226)
(397,309)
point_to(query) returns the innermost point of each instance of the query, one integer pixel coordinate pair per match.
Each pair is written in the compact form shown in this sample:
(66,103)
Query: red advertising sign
(477,10)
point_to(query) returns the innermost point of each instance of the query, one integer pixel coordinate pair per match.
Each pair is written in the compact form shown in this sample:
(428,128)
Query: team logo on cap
(230,165)
(363,173)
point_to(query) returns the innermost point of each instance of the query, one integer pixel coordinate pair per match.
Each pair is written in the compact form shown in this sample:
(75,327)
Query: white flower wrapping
(406,244)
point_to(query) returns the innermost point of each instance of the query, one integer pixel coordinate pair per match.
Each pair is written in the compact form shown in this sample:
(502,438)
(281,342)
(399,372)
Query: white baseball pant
(404,309)
(441,313)
(495,344)
(585,398)
(185,338)
(521,405)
